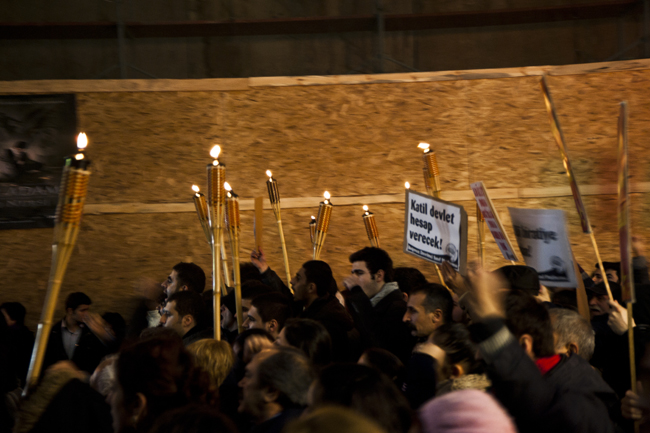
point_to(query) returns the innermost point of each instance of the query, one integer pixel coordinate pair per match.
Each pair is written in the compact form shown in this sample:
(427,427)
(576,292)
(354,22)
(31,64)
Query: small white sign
(435,230)
(544,243)
(493,222)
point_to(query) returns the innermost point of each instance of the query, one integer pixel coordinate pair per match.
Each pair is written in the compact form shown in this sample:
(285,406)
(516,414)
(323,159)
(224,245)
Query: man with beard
(313,285)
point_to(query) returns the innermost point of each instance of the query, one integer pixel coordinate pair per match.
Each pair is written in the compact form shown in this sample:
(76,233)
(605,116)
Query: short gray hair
(289,372)
(571,327)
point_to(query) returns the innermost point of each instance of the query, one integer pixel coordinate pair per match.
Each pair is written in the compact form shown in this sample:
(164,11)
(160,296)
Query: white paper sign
(435,230)
(544,243)
(493,222)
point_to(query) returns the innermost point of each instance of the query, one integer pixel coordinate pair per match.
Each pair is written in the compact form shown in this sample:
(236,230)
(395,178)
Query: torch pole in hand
(216,195)
(274,198)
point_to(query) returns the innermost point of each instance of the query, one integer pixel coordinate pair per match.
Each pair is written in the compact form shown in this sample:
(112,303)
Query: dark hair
(249,272)
(194,418)
(408,278)
(454,339)
(164,372)
(287,371)
(320,273)
(191,303)
(364,390)
(524,315)
(436,297)
(16,311)
(253,288)
(272,306)
(565,299)
(385,362)
(376,259)
(190,275)
(118,324)
(312,338)
(74,300)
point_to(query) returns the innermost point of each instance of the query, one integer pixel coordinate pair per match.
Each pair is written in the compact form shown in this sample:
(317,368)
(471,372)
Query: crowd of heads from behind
(382,350)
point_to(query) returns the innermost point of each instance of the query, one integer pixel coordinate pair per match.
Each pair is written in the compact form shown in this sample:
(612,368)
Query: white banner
(435,230)
(544,243)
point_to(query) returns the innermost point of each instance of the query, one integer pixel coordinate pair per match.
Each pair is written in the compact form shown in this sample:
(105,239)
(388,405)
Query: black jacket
(569,398)
(382,326)
(87,354)
(332,315)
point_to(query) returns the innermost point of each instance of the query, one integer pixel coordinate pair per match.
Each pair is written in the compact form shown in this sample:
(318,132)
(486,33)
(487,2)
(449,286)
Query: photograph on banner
(543,241)
(435,230)
(36,133)
(493,221)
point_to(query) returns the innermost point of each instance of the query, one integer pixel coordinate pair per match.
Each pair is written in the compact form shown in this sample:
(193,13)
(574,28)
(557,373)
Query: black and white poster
(36,133)
(435,230)
(544,243)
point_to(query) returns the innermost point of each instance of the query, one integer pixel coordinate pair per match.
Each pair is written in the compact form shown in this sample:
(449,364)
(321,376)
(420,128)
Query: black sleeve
(421,379)
(271,278)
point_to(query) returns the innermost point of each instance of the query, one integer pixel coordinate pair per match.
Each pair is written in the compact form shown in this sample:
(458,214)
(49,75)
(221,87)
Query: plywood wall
(354,140)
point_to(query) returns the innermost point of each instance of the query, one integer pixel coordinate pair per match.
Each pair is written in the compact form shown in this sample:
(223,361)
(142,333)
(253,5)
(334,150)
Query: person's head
(215,357)
(364,390)
(313,280)
(529,322)
(408,279)
(467,411)
(372,268)
(248,272)
(329,419)
(14,313)
(268,312)
(184,311)
(194,418)
(573,334)
(383,361)
(229,311)
(309,336)
(460,351)
(521,277)
(276,379)
(154,376)
(250,342)
(428,307)
(252,289)
(77,305)
(612,269)
(184,276)
(599,298)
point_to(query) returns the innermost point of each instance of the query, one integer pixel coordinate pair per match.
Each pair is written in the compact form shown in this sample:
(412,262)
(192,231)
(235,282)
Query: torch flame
(326,195)
(82,141)
(216,150)
(227,186)
(365,208)
(195,188)
(268,173)
(313,218)
(407,185)
(79,156)
(424,146)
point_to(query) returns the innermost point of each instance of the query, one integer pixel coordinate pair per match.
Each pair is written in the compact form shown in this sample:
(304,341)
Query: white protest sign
(435,230)
(493,222)
(544,243)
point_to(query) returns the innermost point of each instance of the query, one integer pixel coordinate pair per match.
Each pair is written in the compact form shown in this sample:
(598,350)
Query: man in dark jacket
(20,340)
(312,286)
(376,304)
(185,314)
(541,390)
(71,339)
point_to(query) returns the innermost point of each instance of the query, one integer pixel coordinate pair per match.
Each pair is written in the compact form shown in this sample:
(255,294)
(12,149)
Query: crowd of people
(384,350)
